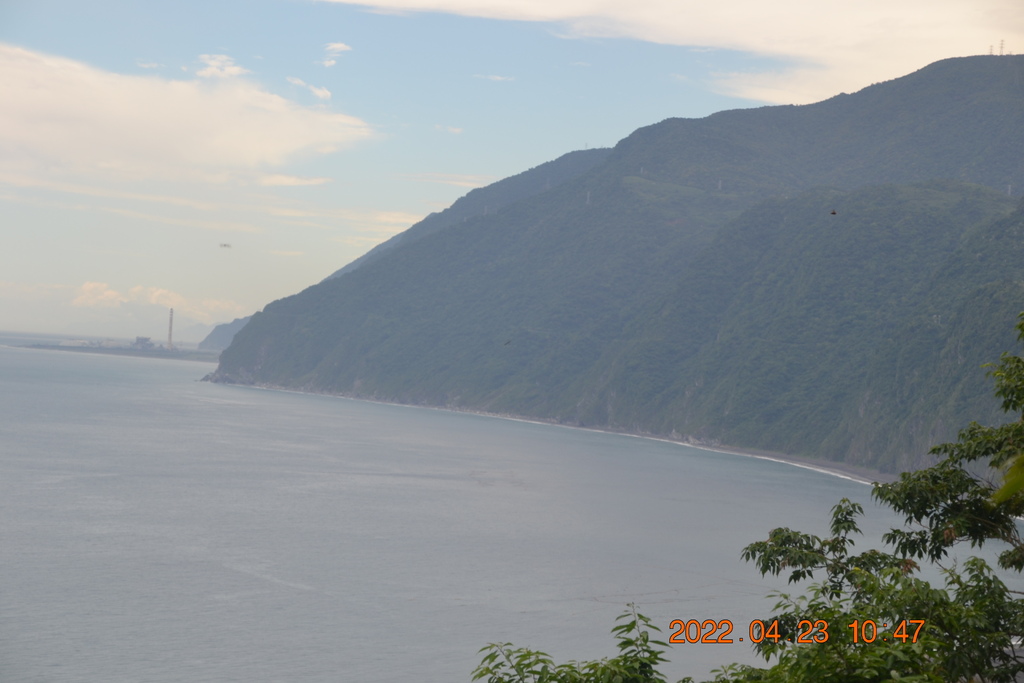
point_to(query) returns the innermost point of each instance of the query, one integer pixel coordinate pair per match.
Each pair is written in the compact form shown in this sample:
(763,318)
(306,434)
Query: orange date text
(721,631)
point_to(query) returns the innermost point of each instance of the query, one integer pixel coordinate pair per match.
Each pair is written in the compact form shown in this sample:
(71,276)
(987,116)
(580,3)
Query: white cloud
(220,66)
(495,78)
(281,180)
(202,224)
(320,93)
(204,310)
(98,295)
(378,222)
(157,296)
(448,129)
(333,50)
(102,295)
(390,219)
(148,65)
(459,180)
(92,191)
(59,117)
(829,46)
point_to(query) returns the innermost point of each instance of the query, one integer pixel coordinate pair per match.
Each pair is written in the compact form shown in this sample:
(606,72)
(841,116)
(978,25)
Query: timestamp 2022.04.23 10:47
(720,632)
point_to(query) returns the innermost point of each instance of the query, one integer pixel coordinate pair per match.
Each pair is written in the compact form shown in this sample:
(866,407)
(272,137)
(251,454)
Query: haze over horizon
(137,140)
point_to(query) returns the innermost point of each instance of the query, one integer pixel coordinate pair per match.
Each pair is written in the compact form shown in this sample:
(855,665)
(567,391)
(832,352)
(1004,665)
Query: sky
(215,156)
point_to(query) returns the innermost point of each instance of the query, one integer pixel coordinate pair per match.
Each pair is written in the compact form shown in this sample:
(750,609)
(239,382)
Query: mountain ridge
(562,305)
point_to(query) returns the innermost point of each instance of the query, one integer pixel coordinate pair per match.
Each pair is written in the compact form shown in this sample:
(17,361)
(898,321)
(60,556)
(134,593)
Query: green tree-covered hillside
(694,281)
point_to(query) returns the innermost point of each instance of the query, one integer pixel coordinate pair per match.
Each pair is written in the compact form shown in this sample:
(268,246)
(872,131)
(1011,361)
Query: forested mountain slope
(808,332)
(695,282)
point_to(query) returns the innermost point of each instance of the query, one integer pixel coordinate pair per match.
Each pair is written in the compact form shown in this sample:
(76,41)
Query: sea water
(157,528)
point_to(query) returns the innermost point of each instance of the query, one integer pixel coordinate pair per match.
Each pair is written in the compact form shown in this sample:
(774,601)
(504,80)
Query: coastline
(176,354)
(860,475)
(835,469)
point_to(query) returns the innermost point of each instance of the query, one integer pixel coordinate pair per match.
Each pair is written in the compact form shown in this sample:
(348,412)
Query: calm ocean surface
(158,529)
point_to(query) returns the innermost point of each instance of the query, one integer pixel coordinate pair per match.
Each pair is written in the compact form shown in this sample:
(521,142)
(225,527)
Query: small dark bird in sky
(225,245)
(833,212)
(508,342)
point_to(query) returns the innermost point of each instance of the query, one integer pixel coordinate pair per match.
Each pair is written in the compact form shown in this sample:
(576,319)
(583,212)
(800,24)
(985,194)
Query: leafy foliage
(1008,441)
(968,627)
(637,661)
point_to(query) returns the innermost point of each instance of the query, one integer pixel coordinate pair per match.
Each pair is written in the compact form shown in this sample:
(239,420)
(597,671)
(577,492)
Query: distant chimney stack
(170,332)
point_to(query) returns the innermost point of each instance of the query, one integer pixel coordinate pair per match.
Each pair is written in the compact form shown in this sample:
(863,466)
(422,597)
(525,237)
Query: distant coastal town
(141,346)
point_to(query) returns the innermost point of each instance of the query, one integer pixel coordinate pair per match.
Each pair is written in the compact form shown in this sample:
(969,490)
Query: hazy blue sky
(136,137)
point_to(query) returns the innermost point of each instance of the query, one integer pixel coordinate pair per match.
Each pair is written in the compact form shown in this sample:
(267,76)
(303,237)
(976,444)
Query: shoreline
(853,473)
(841,470)
(860,475)
(163,354)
